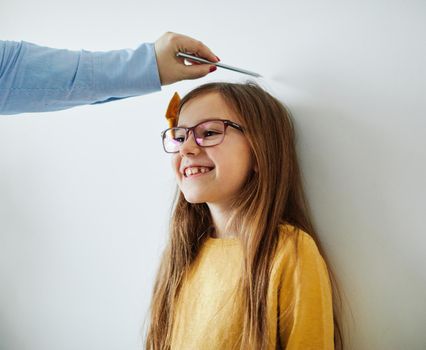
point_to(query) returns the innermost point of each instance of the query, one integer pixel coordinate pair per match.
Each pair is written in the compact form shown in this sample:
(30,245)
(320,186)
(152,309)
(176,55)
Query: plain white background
(85,194)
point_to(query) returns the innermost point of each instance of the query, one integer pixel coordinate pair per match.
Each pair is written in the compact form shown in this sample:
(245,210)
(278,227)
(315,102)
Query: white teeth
(196,170)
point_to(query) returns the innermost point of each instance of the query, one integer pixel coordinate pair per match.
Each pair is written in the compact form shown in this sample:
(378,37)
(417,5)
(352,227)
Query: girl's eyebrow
(200,121)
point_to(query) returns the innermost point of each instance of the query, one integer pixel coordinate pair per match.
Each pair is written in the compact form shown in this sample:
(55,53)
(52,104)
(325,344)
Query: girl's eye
(210,133)
(179,139)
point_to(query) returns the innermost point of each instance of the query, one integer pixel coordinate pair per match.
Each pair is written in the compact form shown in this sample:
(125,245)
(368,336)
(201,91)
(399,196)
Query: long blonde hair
(271,196)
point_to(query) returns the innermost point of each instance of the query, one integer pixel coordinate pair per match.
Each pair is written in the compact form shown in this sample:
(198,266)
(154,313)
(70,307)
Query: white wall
(85,194)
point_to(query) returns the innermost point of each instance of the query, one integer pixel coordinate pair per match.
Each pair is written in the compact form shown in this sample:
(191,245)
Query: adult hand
(172,68)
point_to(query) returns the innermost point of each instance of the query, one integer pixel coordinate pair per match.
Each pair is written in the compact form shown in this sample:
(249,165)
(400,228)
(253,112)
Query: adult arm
(34,78)
(37,79)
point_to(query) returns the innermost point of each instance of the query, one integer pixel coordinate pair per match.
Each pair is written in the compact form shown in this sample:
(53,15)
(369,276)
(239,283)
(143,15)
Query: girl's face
(231,160)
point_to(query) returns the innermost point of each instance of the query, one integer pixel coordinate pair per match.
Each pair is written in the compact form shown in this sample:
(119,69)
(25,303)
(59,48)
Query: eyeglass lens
(209,133)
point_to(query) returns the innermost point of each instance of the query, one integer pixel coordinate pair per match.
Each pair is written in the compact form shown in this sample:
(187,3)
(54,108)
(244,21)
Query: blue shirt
(39,79)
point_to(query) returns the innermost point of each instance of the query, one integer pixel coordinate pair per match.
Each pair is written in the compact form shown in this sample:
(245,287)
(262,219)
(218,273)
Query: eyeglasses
(206,134)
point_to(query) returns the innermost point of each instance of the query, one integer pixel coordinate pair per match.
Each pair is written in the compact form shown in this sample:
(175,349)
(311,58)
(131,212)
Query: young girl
(243,268)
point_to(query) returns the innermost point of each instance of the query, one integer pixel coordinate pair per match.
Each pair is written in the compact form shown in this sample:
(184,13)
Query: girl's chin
(195,202)
(194,199)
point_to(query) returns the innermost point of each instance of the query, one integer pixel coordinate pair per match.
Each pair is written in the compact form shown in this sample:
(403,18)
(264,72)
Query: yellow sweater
(208,315)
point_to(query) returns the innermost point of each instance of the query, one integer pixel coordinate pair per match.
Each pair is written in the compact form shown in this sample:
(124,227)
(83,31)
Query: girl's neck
(220,216)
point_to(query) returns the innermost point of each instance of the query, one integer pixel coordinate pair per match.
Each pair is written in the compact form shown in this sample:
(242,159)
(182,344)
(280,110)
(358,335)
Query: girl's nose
(189,145)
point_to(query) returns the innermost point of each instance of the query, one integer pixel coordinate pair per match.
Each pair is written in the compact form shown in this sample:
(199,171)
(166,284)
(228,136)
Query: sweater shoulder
(295,248)
(290,233)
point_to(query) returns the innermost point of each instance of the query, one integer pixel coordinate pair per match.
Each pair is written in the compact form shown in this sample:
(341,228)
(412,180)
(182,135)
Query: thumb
(198,70)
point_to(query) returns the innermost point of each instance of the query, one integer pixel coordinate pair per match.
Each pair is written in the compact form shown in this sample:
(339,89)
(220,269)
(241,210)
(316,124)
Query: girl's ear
(255,166)
(253,159)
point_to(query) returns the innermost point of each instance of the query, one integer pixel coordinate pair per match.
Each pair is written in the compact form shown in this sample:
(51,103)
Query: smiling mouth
(198,174)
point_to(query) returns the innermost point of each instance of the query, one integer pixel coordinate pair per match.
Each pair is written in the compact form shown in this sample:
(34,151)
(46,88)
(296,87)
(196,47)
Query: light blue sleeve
(38,79)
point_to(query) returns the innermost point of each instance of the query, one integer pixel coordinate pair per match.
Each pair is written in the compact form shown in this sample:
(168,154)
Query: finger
(192,61)
(188,44)
(198,71)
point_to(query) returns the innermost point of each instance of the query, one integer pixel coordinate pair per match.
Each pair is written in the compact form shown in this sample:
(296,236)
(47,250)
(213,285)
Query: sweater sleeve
(38,79)
(305,301)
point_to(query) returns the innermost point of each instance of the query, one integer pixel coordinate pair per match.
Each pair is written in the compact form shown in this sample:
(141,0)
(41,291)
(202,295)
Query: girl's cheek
(175,164)
(176,169)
